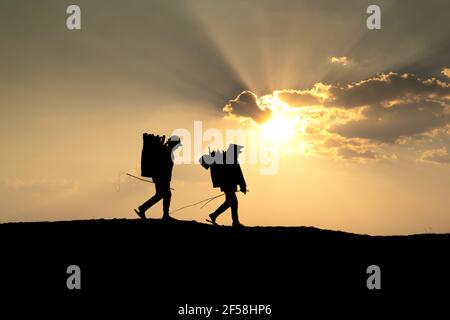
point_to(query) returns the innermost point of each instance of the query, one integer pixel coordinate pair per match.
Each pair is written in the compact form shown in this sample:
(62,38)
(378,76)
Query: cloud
(343,61)
(384,88)
(446,72)
(400,120)
(246,105)
(440,156)
(392,106)
(298,98)
(350,149)
(363,120)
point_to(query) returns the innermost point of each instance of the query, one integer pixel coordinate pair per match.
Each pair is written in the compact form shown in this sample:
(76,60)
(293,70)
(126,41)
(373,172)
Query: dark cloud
(385,88)
(440,156)
(389,124)
(298,98)
(246,105)
(395,106)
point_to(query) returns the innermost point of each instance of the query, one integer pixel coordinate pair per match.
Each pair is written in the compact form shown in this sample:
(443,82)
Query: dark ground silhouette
(157,266)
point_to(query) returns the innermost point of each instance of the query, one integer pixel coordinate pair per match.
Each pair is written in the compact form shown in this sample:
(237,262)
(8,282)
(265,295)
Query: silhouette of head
(174,142)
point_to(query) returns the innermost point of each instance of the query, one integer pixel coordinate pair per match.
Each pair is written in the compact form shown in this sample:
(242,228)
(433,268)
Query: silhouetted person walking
(161,179)
(228,175)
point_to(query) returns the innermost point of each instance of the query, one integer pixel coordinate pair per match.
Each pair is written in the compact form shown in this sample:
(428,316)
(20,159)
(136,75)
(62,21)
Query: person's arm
(242,183)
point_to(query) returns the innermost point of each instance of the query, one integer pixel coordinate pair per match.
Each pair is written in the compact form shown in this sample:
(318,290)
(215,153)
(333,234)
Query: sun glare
(283,126)
(280,128)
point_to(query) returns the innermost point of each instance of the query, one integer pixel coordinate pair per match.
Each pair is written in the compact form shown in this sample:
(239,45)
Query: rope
(139,178)
(194,204)
(117,186)
(211,199)
(208,200)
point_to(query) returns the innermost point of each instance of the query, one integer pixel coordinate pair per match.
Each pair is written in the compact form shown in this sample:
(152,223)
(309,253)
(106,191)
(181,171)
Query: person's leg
(224,206)
(167,195)
(150,202)
(234,208)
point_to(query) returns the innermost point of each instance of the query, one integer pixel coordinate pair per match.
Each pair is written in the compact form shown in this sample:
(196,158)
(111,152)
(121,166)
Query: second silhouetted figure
(226,174)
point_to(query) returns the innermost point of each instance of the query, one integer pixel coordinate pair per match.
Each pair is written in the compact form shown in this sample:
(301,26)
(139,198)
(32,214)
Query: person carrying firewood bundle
(226,174)
(157,163)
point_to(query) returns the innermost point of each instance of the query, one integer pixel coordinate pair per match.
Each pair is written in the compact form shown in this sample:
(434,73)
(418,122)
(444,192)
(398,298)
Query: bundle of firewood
(152,154)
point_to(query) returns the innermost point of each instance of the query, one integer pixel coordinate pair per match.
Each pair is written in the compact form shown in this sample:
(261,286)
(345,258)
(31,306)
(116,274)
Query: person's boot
(212,219)
(237,224)
(141,214)
(166,217)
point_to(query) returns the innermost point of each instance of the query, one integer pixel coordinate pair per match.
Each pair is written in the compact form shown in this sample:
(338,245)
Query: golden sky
(361,117)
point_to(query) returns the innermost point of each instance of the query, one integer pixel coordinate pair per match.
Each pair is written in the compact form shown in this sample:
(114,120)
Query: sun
(281,128)
(284,125)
